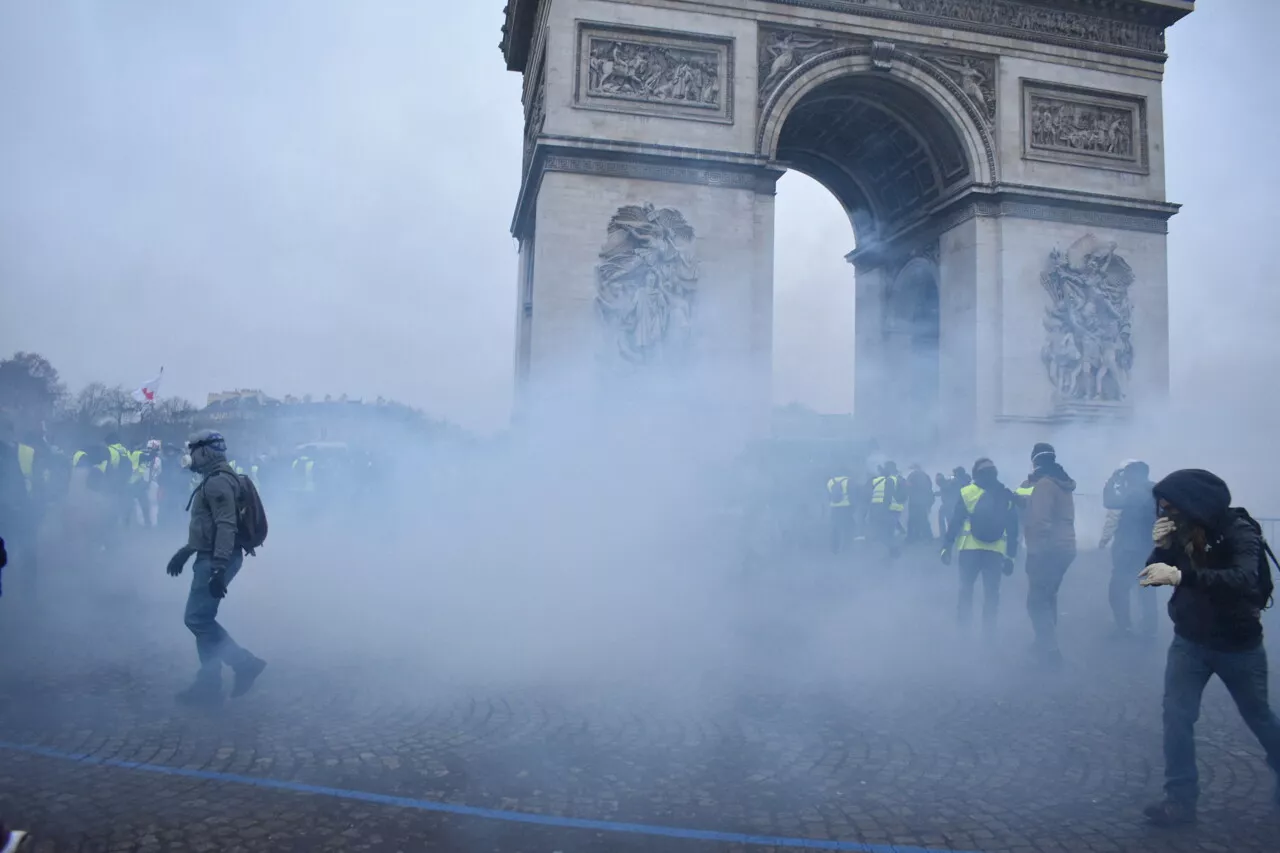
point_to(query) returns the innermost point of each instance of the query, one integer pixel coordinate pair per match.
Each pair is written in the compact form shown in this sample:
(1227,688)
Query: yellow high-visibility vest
(838,489)
(308,465)
(896,505)
(135,459)
(76,457)
(27,462)
(970,494)
(877,489)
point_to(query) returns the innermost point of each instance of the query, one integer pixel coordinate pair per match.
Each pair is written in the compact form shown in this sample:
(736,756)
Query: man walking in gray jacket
(212,538)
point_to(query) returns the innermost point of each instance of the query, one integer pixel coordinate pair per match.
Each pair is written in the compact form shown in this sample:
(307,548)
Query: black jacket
(1216,603)
(1131,495)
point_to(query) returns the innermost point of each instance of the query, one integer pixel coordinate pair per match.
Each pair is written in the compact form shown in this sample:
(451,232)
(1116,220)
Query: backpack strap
(206,479)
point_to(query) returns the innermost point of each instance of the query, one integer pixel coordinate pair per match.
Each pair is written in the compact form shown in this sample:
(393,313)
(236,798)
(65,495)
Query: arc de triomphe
(1001,163)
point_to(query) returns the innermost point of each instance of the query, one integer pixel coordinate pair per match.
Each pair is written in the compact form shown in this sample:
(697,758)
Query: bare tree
(170,411)
(30,384)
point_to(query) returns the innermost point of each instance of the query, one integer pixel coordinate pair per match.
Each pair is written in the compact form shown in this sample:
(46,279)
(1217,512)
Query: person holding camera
(1216,560)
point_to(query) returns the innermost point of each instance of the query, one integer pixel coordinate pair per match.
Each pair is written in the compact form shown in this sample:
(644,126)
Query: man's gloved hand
(218,581)
(1162,532)
(946,556)
(178,561)
(1160,574)
(1008,566)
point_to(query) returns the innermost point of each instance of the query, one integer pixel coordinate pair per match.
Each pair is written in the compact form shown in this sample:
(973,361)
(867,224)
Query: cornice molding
(684,167)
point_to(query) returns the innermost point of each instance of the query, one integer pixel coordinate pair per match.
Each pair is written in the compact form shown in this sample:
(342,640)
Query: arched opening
(882,147)
(891,155)
(812,299)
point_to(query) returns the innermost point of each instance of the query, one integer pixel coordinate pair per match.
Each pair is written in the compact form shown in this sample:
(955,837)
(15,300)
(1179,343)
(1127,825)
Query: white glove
(1159,574)
(1162,532)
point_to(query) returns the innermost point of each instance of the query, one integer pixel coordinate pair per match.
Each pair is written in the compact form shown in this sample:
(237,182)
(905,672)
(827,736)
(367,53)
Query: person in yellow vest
(119,479)
(985,524)
(304,474)
(841,510)
(886,507)
(27,464)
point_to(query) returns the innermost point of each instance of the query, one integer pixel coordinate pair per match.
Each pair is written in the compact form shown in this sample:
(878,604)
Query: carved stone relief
(1062,24)
(1088,352)
(976,77)
(646,283)
(1082,127)
(781,51)
(631,70)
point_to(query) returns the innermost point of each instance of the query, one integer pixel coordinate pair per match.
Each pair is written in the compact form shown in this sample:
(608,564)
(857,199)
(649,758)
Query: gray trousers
(989,565)
(213,644)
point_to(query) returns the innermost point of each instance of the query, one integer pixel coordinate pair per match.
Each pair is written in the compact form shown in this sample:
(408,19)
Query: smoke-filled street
(810,706)
(632,426)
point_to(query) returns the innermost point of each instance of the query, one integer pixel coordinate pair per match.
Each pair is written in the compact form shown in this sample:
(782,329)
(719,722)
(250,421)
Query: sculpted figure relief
(782,52)
(645,283)
(654,72)
(1054,22)
(1081,127)
(1088,353)
(975,76)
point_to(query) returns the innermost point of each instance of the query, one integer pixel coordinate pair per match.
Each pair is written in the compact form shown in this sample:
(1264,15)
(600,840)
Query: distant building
(243,395)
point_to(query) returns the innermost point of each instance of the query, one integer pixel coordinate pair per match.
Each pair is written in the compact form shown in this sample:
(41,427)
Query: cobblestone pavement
(813,720)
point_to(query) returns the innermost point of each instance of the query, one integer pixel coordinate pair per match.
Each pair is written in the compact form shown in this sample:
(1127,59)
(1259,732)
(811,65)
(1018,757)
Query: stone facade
(1001,163)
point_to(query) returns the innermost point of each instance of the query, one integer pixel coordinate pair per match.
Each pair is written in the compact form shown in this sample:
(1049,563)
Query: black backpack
(990,517)
(1266,586)
(251,516)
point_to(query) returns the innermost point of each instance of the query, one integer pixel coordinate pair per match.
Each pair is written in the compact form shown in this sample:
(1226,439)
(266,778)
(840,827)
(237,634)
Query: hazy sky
(313,196)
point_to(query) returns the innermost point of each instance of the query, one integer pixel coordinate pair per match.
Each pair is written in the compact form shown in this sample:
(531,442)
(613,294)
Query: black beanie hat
(1200,495)
(1042,448)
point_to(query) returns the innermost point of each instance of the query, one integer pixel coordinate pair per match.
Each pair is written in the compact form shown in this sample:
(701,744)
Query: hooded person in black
(213,539)
(1050,531)
(1129,493)
(1214,558)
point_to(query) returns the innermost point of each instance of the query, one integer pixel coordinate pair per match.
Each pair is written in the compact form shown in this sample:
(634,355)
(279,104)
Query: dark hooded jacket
(214,506)
(1130,492)
(1050,515)
(1216,603)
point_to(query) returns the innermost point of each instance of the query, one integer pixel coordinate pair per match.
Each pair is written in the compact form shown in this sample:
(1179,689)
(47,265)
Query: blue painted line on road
(651,830)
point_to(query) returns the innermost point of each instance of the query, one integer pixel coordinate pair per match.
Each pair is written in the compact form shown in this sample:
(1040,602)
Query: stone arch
(914,101)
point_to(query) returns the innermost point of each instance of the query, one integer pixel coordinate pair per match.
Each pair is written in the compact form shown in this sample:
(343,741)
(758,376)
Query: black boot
(1170,813)
(246,675)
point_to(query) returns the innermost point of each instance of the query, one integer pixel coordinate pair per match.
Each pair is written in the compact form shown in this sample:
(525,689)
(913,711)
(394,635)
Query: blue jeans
(1188,671)
(213,644)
